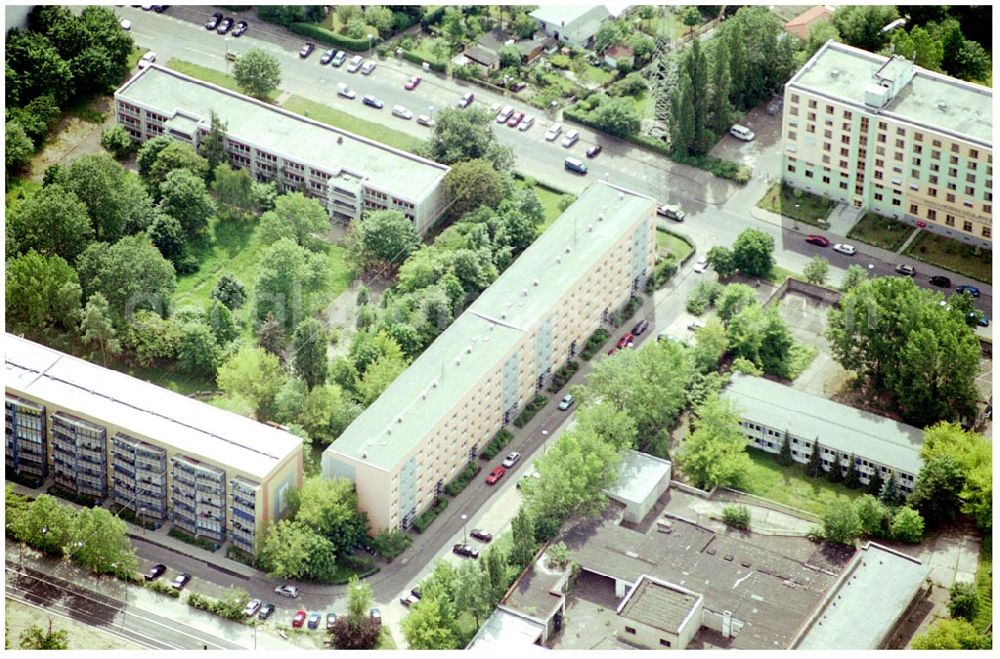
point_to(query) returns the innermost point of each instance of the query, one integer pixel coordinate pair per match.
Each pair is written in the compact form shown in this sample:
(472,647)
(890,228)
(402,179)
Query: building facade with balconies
(347,173)
(883,135)
(163,456)
(496,356)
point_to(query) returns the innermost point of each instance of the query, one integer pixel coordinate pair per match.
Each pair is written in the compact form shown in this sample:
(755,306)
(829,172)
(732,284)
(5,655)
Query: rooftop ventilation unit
(558,259)
(503,315)
(590,227)
(423,395)
(399,419)
(834,73)
(535,283)
(600,218)
(942,106)
(458,361)
(468,350)
(434,384)
(524,292)
(568,249)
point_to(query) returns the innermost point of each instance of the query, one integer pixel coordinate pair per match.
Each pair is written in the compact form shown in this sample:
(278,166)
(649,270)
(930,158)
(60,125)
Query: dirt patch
(74,136)
(20,616)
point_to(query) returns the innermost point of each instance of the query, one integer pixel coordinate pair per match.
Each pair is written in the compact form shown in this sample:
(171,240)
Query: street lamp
(465,535)
(142,520)
(369,45)
(227,55)
(795,220)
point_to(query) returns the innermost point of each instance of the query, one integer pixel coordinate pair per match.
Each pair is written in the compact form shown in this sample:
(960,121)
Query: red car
(495,475)
(612,351)
(625,341)
(817,240)
(299,618)
(515,119)
(412,83)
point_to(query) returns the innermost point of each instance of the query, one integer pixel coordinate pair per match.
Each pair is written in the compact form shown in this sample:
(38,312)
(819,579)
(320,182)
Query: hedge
(620,316)
(163,589)
(332,38)
(463,479)
(417,59)
(664,270)
(594,343)
(425,518)
(229,610)
(390,544)
(533,408)
(501,439)
(204,543)
(79,499)
(563,375)
(360,575)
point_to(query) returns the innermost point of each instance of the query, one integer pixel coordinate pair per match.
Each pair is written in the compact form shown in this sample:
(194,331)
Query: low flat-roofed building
(643,478)
(496,356)
(659,615)
(506,630)
(349,174)
(863,610)
(577,25)
(162,455)
(770,411)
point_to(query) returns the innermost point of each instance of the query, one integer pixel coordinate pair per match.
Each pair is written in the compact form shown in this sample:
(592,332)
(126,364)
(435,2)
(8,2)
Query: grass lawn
(597,74)
(182,383)
(667,243)
(952,255)
(19,188)
(135,55)
(880,231)
(349,122)
(779,275)
(799,357)
(211,75)
(806,208)
(332,23)
(550,202)
(385,640)
(423,49)
(791,486)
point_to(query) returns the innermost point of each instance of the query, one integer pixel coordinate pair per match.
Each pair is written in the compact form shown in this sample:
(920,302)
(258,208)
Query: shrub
(230,606)
(462,480)
(664,270)
(390,544)
(964,601)
(73,497)
(439,67)
(703,297)
(594,343)
(495,445)
(563,375)
(737,517)
(240,556)
(204,543)
(163,589)
(323,35)
(356,563)
(529,412)
(426,518)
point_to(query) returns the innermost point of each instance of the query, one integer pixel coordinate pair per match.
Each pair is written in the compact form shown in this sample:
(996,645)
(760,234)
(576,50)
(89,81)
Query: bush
(390,544)
(322,35)
(964,601)
(563,375)
(439,67)
(240,556)
(427,517)
(78,499)
(382,51)
(703,297)
(230,606)
(594,343)
(737,517)
(163,589)
(529,412)
(356,563)
(495,445)
(664,270)
(204,543)
(462,480)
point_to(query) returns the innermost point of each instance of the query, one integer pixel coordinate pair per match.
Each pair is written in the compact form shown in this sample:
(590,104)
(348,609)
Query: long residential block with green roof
(493,359)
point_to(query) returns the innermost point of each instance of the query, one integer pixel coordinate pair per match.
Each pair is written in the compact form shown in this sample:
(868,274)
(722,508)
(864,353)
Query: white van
(742,133)
(401,112)
(345,91)
(367,67)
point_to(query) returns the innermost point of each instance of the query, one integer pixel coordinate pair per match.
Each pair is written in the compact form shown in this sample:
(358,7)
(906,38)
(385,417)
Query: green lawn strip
(172,379)
(667,244)
(791,486)
(349,122)
(952,255)
(423,49)
(597,74)
(235,250)
(385,640)
(341,273)
(779,275)
(550,202)
(135,56)
(880,231)
(806,208)
(211,75)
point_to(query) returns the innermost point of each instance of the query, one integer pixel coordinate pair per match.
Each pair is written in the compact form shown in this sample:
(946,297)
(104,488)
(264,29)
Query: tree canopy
(257,72)
(467,134)
(131,275)
(52,221)
(384,238)
(41,292)
(715,453)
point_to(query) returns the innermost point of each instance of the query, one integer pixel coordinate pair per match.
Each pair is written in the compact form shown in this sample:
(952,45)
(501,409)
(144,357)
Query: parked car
(664,336)
(553,132)
(671,212)
(307,49)
(843,248)
(367,68)
(408,600)
(125,24)
(816,239)
(225,26)
(265,611)
(327,56)
(466,100)
(571,138)
(510,460)
(575,165)
(299,618)
(495,475)
(518,86)
(515,119)
(625,341)
(696,325)
(640,327)
(331,620)
(313,621)
(504,114)
(181,580)
(372,101)
(376,615)
(701,265)
(971,290)
(354,64)
(494,108)
(241,29)
(424,120)
(594,151)
(345,91)
(213,21)
(412,83)
(401,112)
(415,591)
(147,59)
(339,58)
(940,281)
(252,607)
(612,351)
(982,319)
(742,133)
(481,535)
(905,269)
(465,550)
(286,590)
(526,123)
(566,402)
(156,571)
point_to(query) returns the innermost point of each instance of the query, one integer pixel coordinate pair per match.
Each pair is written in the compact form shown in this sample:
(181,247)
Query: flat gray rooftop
(841,427)
(504,630)
(640,473)
(659,605)
(285,133)
(968,111)
(864,607)
(485,333)
(193,428)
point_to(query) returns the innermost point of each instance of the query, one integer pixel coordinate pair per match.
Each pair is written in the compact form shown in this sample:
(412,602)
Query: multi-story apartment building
(770,411)
(496,355)
(883,135)
(347,173)
(164,456)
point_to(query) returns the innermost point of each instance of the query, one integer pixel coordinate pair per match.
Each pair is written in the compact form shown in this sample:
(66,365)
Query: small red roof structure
(804,22)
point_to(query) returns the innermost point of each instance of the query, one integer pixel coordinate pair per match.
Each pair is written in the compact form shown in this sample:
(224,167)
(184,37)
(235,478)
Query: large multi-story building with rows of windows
(167,458)
(883,135)
(347,173)
(492,360)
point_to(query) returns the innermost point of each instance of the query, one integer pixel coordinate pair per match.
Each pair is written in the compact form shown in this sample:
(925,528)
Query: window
(810,128)
(795,98)
(845,152)
(969,190)
(954,147)
(792,135)
(932,179)
(882,125)
(812,104)
(950,197)
(986,232)
(967,226)
(931,214)
(932,192)
(847,114)
(664,642)
(899,144)
(791,169)
(973,153)
(935,142)
(916,161)
(795,111)
(845,139)
(809,173)
(827,134)
(878,196)
(936,155)
(949,220)
(881,138)
(843,164)
(630,630)
(970,178)
(919,137)
(826,179)
(843,185)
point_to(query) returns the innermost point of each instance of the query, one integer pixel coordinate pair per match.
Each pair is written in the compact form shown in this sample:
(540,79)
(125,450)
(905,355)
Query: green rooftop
(482,336)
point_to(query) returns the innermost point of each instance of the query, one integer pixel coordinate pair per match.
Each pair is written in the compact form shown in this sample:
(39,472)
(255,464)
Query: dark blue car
(971,290)
(373,101)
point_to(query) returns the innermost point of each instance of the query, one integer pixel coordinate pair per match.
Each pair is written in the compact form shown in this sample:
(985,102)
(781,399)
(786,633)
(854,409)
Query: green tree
(875,483)
(682,118)
(952,634)
(720,109)
(861,25)
(855,276)
(972,452)
(761,58)
(471,184)
(117,141)
(257,72)
(384,239)
(174,156)
(696,67)
(255,376)
(452,25)
(271,335)
(467,134)
(34,68)
(167,234)
(19,148)
(816,270)
(815,466)
(918,46)
(872,515)
(41,292)
(183,196)
(608,34)
(326,411)
(733,299)
(715,453)
(378,376)
(523,543)
(721,260)
(99,182)
(288,278)
(96,328)
(426,628)
(149,152)
(213,145)
(229,291)
(292,550)
(753,253)
(36,638)
(890,494)
(691,17)
(835,474)
(297,217)
(151,340)
(220,321)
(841,523)
(309,352)
(710,344)
(785,454)
(964,601)
(510,56)
(44,524)
(52,221)
(131,274)
(198,350)
(380,18)
(359,598)
(330,507)
(852,479)
(233,190)
(617,116)
(938,490)
(99,542)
